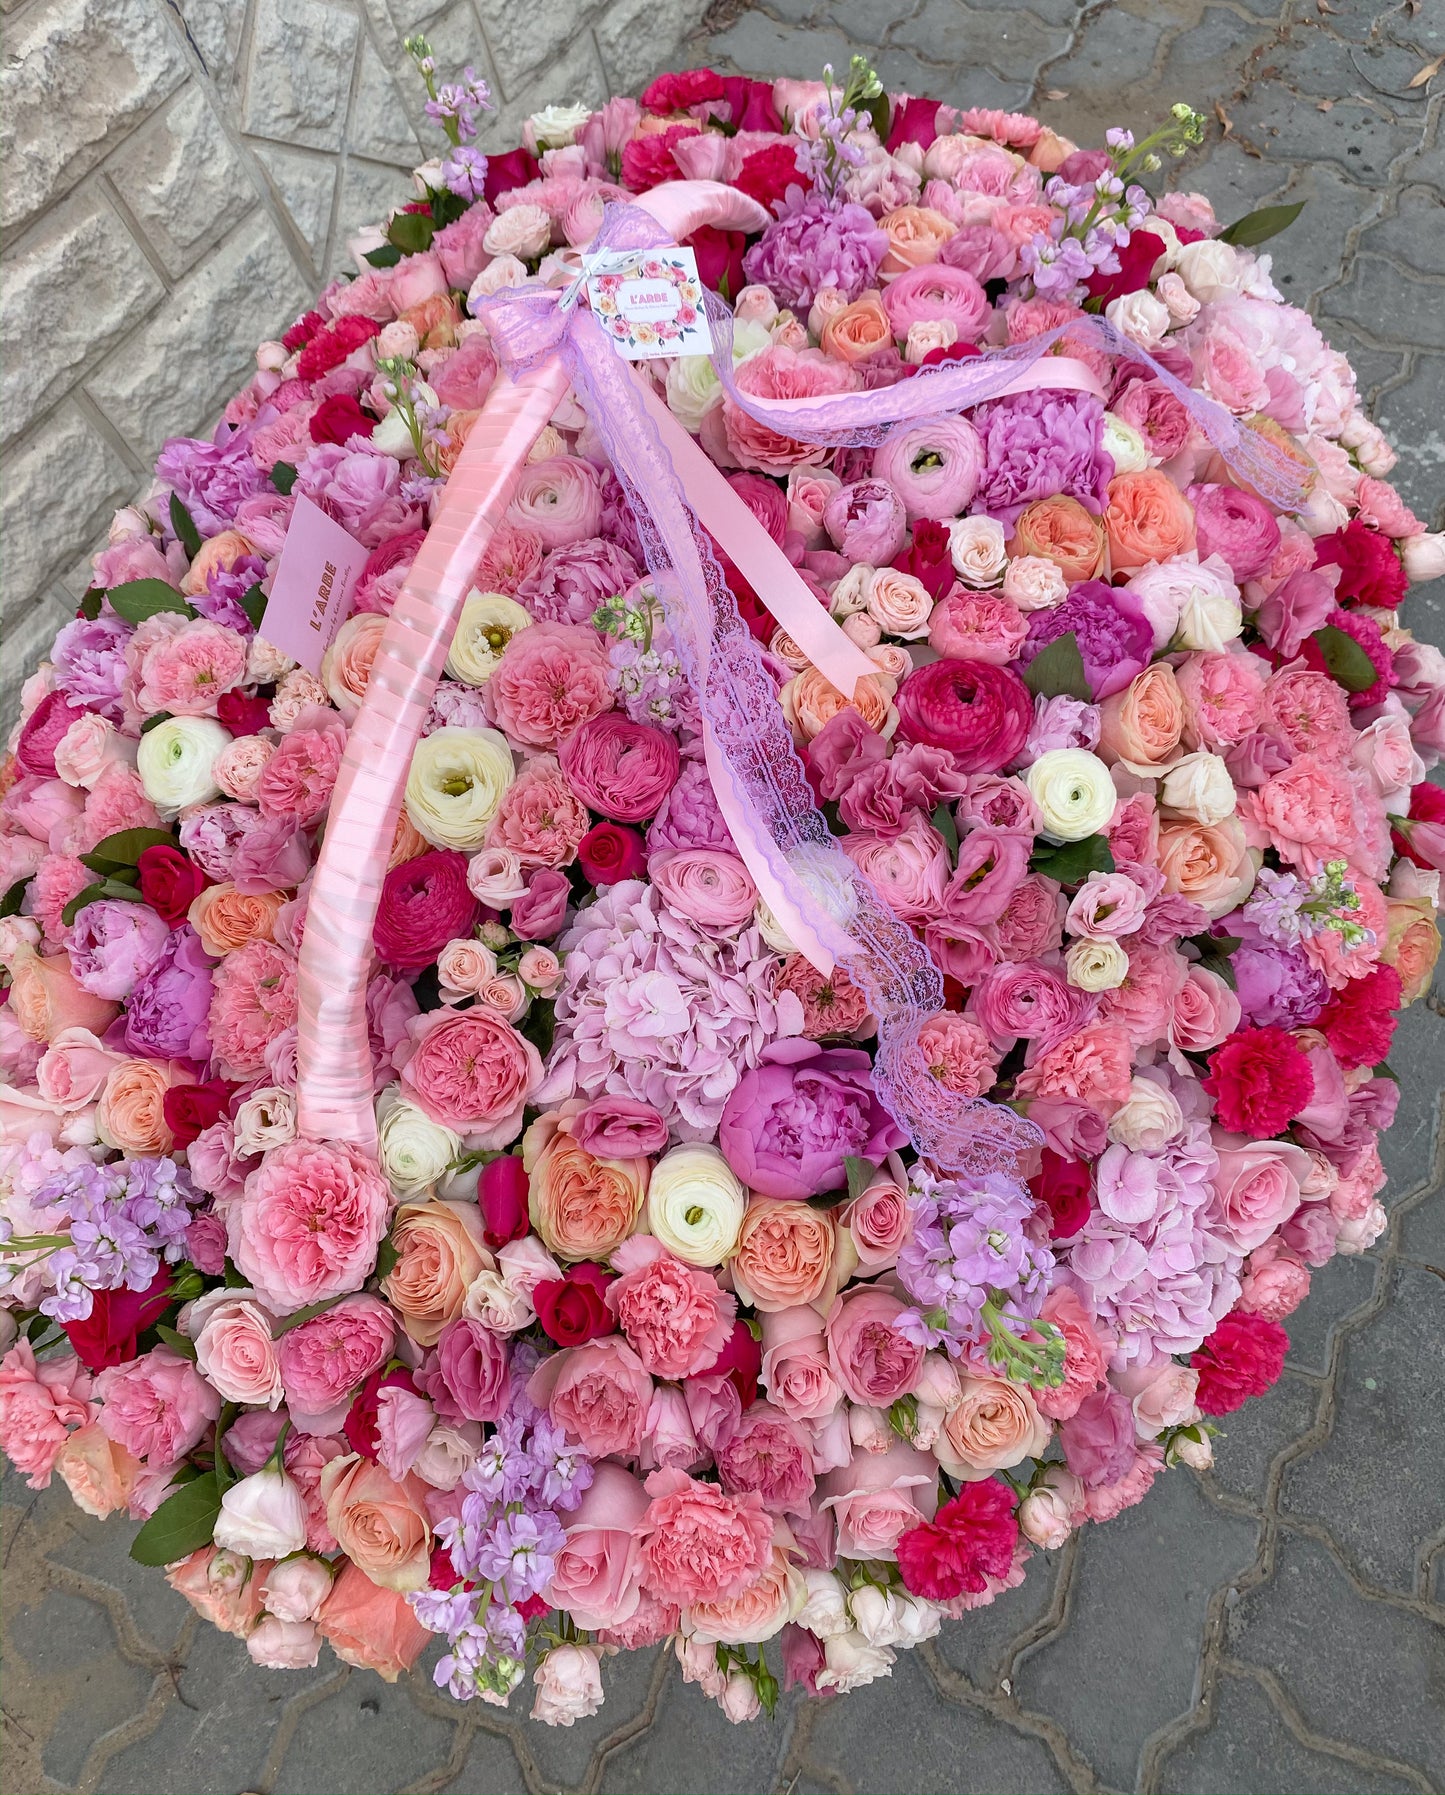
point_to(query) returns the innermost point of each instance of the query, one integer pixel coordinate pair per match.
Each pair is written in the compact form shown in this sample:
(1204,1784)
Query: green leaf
(540,1024)
(184,526)
(283,476)
(253,603)
(103,888)
(1385,1070)
(232,1278)
(1260,226)
(861,1173)
(1348,663)
(386,1258)
(943,822)
(139,599)
(1072,863)
(877,110)
(91,603)
(386,257)
(182,1524)
(176,1341)
(309,1313)
(155,722)
(225,1472)
(1058,671)
(411,232)
(15,897)
(124,848)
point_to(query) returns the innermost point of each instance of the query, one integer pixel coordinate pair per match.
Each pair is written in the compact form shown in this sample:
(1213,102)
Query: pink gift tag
(313,587)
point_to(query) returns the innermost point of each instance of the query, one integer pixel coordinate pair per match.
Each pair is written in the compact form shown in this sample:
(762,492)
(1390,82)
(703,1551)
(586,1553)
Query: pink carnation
(699,1544)
(39,1404)
(674,1315)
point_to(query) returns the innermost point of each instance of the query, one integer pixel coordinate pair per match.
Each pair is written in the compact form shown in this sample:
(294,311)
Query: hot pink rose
(549,680)
(324,1359)
(600,1393)
(39,1404)
(674,1315)
(871,1358)
(157,1406)
(598,1570)
(309,1223)
(878,1496)
(699,1544)
(470,1070)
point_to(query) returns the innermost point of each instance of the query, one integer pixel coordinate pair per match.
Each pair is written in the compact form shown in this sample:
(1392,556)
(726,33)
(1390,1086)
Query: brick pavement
(1272,1626)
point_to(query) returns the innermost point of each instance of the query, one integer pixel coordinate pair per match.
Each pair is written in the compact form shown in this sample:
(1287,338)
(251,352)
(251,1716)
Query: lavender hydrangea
(816,244)
(1038,444)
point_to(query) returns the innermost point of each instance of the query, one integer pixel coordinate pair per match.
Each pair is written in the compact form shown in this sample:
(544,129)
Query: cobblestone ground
(1272,1626)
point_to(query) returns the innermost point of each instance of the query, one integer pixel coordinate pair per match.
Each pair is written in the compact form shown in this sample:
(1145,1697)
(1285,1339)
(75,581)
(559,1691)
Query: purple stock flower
(210,479)
(1115,639)
(816,244)
(1039,444)
(166,1016)
(464,172)
(520,1551)
(968,1243)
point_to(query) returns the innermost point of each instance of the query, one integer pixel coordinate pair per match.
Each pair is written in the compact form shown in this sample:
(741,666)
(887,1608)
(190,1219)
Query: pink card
(313,587)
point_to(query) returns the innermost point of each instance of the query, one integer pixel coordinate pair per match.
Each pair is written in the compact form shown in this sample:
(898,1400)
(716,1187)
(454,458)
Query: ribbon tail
(333,1052)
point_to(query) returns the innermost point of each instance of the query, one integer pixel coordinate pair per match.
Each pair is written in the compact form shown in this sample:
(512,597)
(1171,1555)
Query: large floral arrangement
(646,1321)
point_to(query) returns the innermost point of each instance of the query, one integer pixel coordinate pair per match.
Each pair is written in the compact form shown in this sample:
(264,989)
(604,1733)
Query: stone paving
(1273,1627)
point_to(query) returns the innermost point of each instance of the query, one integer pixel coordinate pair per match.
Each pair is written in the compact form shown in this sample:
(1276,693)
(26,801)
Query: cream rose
(695,1204)
(554,127)
(898,603)
(1149,1120)
(1140,316)
(458,778)
(1200,788)
(488,622)
(976,545)
(1034,583)
(175,762)
(1072,792)
(523,231)
(414,1151)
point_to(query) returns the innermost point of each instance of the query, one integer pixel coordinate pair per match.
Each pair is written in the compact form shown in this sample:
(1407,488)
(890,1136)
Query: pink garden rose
(470,1070)
(308,1223)
(771,1453)
(600,1393)
(157,1406)
(323,1360)
(549,680)
(876,1496)
(871,1357)
(40,1402)
(598,1571)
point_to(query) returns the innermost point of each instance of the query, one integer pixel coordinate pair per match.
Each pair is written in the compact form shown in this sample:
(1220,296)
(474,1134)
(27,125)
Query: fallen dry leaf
(1057,93)
(1226,122)
(1324,6)
(1428,73)
(1325,106)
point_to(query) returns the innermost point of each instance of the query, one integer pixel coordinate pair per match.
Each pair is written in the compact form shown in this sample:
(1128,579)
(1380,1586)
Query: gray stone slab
(1252,1438)
(692,1749)
(983,1644)
(1338,1291)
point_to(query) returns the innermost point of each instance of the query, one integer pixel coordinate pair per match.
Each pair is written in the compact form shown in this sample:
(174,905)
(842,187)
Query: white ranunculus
(174,761)
(488,622)
(415,1151)
(1072,792)
(554,127)
(695,1204)
(1199,787)
(457,780)
(1124,446)
(1097,965)
(262,1516)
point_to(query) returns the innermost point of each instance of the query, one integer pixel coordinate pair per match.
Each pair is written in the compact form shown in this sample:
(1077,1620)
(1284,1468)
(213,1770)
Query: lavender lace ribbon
(738,696)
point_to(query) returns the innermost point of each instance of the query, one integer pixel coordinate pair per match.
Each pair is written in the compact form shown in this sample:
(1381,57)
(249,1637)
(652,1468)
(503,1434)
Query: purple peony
(791,1123)
(166,1016)
(817,244)
(689,817)
(113,944)
(1275,983)
(225,588)
(210,479)
(1114,636)
(89,662)
(1039,444)
(573,581)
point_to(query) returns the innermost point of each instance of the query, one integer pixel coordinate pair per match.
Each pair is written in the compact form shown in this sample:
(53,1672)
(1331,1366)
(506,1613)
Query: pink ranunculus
(879,1495)
(323,1360)
(470,1070)
(157,1406)
(708,886)
(700,1544)
(308,1223)
(40,1402)
(675,1316)
(600,1393)
(872,1358)
(622,769)
(560,499)
(597,1577)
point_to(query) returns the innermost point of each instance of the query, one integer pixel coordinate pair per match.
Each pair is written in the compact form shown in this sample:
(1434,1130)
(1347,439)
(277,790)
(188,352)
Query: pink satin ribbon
(333,1054)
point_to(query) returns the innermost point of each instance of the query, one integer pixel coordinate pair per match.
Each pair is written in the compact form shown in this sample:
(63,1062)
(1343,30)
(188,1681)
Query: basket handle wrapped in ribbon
(831,912)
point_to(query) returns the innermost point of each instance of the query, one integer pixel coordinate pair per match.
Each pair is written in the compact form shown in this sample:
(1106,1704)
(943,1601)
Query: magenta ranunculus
(424,904)
(793,1120)
(620,769)
(978,712)
(166,1018)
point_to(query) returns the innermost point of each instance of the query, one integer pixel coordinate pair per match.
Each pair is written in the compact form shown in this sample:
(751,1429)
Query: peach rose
(225,918)
(1147,519)
(810,700)
(1412,944)
(996,1425)
(581,1206)
(915,236)
(857,331)
(346,665)
(45,999)
(223,1587)
(1209,863)
(763,1609)
(216,555)
(99,1474)
(788,1254)
(1141,726)
(439,1253)
(380,1524)
(407,843)
(1062,531)
(131,1113)
(372,1628)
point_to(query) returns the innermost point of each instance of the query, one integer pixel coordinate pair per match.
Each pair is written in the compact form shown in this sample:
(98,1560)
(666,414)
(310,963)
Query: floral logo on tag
(653,307)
